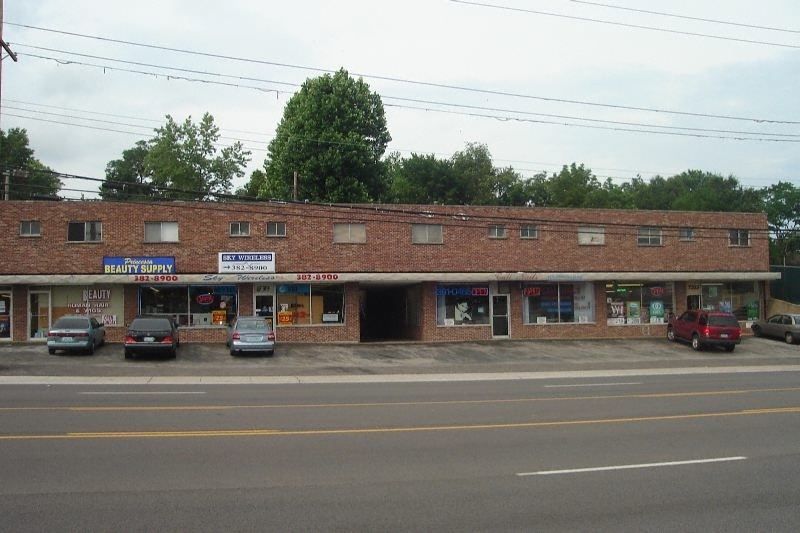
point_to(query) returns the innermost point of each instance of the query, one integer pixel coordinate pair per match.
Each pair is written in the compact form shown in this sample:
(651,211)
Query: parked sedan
(73,333)
(251,334)
(152,335)
(782,326)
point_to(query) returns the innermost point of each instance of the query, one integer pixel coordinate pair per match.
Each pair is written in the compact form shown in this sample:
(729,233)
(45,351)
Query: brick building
(350,273)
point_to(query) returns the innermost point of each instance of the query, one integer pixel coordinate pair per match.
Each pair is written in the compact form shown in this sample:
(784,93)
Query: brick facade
(387,258)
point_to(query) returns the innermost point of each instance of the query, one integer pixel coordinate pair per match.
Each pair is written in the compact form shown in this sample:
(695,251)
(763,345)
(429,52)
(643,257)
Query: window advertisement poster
(656,312)
(246,262)
(633,313)
(460,305)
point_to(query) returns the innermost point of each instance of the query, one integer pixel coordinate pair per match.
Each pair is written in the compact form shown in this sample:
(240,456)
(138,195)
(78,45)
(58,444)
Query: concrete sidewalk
(361,361)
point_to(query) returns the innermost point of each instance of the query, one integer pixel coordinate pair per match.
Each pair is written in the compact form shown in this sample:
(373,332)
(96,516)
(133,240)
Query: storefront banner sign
(139,265)
(246,262)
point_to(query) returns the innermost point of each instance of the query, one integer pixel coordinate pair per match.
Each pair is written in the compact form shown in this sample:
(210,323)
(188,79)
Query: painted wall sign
(242,262)
(139,265)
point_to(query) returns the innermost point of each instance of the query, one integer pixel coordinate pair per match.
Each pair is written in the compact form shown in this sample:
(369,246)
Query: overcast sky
(543,83)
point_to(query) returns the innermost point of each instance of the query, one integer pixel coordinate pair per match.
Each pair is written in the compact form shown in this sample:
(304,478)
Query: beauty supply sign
(246,262)
(139,265)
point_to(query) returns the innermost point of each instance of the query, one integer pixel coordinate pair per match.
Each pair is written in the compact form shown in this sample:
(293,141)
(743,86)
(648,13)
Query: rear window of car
(252,324)
(151,323)
(722,320)
(71,323)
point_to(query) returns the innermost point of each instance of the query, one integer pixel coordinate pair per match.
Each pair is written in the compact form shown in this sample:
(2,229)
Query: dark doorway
(383,313)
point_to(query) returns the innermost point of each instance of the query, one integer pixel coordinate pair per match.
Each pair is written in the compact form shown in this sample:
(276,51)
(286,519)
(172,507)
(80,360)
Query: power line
(410,82)
(625,24)
(635,127)
(685,17)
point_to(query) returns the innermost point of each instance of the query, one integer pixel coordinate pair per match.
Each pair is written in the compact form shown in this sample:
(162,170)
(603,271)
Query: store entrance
(382,313)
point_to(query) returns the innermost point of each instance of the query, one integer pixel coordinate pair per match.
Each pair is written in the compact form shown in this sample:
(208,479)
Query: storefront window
(105,303)
(193,305)
(553,303)
(306,304)
(458,305)
(5,315)
(639,303)
(739,298)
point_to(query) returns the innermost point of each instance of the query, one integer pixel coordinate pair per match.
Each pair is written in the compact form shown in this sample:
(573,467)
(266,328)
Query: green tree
(251,189)
(127,178)
(333,135)
(180,162)
(782,205)
(28,177)
(419,179)
(574,186)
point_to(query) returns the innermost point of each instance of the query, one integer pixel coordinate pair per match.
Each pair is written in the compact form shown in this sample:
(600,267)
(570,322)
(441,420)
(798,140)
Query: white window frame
(649,236)
(276,229)
(591,235)
(426,234)
(30,228)
(92,231)
(349,233)
(240,229)
(686,234)
(736,236)
(497,231)
(528,231)
(163,236)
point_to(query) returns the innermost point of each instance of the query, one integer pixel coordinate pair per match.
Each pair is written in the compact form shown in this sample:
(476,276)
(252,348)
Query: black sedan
(152,335)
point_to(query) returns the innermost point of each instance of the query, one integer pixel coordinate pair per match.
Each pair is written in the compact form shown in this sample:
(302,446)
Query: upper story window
(739,237)
(240,229)
(528,231)
(426,234)
(276,229)
(648,236)
(497,231)
(349,233)
(161,232)
(30,228)
(686,234)
(591,235)
(84,232)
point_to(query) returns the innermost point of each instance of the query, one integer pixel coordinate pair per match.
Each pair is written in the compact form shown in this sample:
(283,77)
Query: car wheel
(756,331)
(51,351)
(128,354)
(788,337)
(271,353)
(91,347)
(233,352)
(670,334)
(696,346)
(174,353)
(730,347)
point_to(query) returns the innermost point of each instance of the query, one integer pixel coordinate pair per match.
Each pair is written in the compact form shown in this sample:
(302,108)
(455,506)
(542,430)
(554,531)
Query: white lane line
(628,467)
(591,385)
(128,393)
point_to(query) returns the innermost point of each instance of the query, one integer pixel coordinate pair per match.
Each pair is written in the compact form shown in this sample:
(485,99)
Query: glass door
(500,315)
(38,314)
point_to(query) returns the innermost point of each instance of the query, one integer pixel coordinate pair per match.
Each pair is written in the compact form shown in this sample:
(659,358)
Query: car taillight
(236,335)
(129,339)
(167,339)
(705,332)
(271,336)
(81,334)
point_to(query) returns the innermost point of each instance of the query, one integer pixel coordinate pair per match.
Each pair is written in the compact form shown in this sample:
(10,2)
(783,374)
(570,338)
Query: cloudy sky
(624,87)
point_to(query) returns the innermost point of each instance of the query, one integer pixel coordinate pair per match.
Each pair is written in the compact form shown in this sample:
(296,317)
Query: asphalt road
(658,452)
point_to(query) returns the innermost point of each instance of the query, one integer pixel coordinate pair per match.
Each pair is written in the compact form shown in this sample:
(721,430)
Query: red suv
(706,328)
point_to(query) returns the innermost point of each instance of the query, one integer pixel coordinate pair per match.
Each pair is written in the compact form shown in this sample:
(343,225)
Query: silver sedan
(782,326)
(251,334)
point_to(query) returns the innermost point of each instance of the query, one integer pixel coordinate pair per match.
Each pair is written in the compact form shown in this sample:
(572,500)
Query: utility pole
(12,55)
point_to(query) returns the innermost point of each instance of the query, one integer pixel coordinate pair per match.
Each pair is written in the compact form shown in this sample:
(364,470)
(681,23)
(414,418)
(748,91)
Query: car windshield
(150,323)
(251,324)
(722,320)
(71,323)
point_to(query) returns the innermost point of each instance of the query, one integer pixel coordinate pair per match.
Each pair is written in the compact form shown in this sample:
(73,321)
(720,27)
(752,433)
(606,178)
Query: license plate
(149,339)
(253,338)
(723,335)
(67,339)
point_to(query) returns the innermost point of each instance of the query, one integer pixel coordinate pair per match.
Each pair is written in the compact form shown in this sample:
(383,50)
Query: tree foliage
(180,162)
(782,205)
(28,177)
(333,135)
